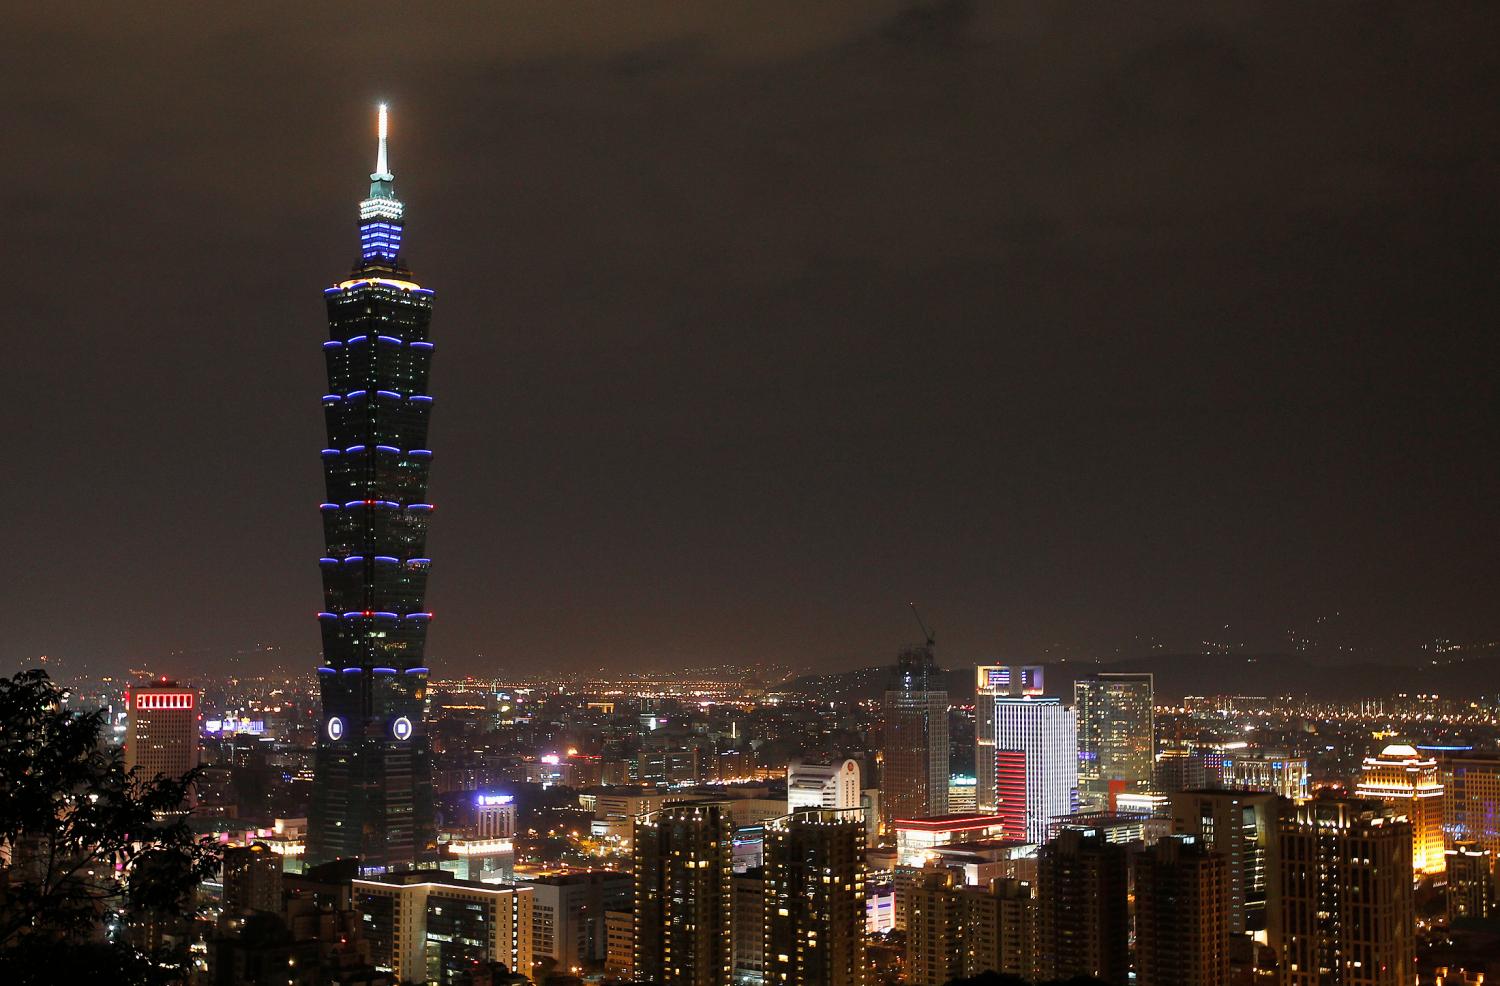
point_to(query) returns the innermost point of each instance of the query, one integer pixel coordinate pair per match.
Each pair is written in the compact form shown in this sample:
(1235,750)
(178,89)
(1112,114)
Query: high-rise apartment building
(1471,881)
(955,931)
(161,730)
(749,927)
(684,895)
(1181,914)
(1243,826)
(815,898)
(993,681)
(372,797)
(426,926)
(1408,781)
(252,879)
(1083,909)
(823,784)
(1045,735)
(1346,914)
(914,749)
(1116,733)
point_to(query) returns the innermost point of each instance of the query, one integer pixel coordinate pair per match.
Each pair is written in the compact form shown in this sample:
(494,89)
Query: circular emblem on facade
(335,728)
(401,728)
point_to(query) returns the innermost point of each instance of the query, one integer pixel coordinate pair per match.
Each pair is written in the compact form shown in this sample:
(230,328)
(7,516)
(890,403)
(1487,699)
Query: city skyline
(1081,330)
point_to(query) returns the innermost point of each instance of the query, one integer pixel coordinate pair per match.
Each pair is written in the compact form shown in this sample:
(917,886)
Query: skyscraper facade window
(373,795)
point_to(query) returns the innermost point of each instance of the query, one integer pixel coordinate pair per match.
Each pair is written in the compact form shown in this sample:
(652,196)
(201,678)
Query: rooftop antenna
(925,631)
(382,162)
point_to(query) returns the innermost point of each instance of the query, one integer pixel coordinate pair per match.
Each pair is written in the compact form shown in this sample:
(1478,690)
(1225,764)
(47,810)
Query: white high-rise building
(992,681)
(822,784)
(1045,733)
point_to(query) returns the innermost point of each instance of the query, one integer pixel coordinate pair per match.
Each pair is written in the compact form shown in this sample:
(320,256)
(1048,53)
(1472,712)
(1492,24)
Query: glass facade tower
(373,794)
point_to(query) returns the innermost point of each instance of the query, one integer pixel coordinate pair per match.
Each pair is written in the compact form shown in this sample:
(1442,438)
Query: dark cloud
(756,321)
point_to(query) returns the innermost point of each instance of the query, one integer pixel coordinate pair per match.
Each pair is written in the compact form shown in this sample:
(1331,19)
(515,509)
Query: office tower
(428,927)
(1346,914)
(1243,826)
(1408,781)
(1179,768)
(373,797)
(683,895)
(1045,734)
(252,879)
(749,931)
(914,769)
(815,898)
(161,730)
(992,681)
(822,784)
(1274,772)
(1471,797)
(1116,733)
(1082,907)
(961,795)
(1471,881)
(567,916)
(1181,914)
(494,816)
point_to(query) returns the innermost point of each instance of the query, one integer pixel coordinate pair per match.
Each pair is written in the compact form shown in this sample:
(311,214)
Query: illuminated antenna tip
(382,159)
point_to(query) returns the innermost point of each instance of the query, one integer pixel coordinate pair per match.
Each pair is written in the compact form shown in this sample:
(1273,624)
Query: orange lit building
(1405,779)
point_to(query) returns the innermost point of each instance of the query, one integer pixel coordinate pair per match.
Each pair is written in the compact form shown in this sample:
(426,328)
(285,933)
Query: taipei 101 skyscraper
(373,793)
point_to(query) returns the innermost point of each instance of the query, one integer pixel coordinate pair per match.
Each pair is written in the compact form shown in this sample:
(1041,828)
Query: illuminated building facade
(823,784)
(1116,733)
(992,681)
(1283,775)
(373,796)
(428,927)
(1471,797)
(684,910)
(915,837)
(1345,911)
(1408,781)
(1045,734)
(161,731)
(914,767)
(814,910)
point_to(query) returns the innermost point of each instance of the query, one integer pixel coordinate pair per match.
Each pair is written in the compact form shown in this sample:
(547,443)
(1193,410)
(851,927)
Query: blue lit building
(373,793)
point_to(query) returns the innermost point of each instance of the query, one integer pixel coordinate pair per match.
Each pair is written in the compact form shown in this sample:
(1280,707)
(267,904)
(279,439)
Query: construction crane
(925,631)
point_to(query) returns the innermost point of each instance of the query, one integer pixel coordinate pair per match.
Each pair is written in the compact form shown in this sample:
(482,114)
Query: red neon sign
(163,700)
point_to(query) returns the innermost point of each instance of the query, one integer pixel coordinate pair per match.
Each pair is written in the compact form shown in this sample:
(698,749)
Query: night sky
(1088,327)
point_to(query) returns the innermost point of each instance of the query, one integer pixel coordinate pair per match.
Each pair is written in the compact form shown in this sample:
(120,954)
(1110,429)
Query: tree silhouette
(86,845)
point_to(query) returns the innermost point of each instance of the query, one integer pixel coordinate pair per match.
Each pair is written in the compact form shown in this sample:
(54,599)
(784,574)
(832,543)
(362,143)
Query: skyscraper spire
(382,163)
(380,214)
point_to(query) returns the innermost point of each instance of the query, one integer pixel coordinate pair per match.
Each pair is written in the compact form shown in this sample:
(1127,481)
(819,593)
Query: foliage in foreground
(88,845)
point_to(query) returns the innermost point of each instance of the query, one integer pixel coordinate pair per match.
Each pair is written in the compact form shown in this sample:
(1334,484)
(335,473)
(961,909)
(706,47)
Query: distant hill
(1216,674)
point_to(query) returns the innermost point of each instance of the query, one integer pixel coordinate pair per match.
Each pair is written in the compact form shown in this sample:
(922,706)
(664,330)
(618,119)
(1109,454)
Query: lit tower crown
(373,792)
(380,214)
